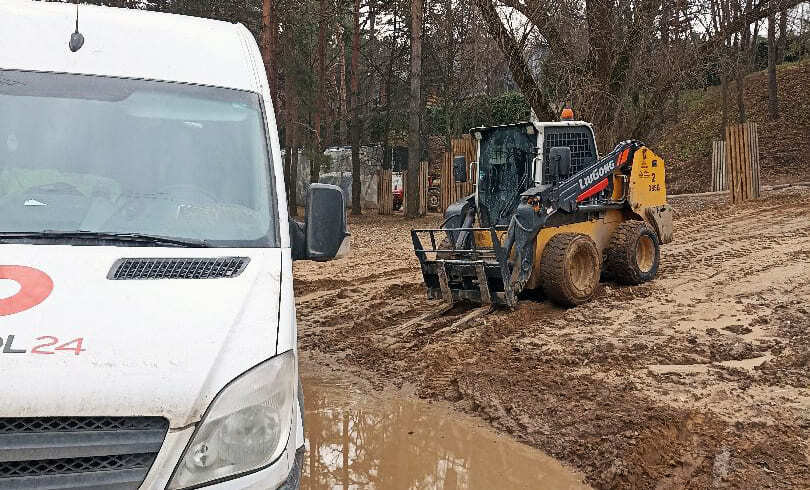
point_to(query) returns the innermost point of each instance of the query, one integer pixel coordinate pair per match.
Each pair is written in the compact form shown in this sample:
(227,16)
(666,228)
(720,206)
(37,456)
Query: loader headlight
(246,427)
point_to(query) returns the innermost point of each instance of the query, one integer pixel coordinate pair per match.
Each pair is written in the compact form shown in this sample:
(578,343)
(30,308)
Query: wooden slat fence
(423,186)
(451,191)
(742,162)
(719,182)
(385,195)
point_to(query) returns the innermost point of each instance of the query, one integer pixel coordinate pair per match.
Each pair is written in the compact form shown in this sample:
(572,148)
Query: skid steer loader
(547,213)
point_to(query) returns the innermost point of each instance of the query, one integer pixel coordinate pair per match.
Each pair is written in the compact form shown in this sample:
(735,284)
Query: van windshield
(122,156)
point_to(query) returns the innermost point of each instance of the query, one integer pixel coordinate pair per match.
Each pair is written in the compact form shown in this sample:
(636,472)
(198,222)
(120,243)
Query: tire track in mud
(576,382)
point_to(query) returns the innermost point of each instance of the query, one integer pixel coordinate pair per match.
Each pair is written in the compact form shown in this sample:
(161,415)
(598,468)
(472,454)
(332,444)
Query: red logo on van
(35,286)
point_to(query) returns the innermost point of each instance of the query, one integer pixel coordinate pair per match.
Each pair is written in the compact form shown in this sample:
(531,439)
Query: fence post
(719,182)
(385,195)
(422,177)
(742,162)
(423,187)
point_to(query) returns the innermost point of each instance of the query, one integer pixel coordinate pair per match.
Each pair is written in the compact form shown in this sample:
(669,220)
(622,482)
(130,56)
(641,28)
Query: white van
(147,320)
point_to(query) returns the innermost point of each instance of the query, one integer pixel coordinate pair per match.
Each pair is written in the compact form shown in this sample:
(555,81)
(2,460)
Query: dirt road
(699,379)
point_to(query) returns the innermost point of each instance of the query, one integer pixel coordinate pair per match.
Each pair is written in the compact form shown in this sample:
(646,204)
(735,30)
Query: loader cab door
(505,159)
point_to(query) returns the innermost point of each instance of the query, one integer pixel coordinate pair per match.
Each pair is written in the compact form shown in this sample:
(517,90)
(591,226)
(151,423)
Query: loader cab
(515,157)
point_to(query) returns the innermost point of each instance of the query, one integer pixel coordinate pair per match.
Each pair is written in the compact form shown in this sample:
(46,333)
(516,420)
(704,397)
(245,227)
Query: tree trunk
(340,81)
(724,104)
(513,53)
(740,95)
(415,110)
(773,105)
(321,81)
(290,184)
(292,154)
(357,207)
(782,45)
(387,163)
(740,79)
(268,41)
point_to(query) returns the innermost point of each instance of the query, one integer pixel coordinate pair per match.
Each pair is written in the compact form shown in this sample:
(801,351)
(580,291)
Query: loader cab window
(578,138)
(504,171)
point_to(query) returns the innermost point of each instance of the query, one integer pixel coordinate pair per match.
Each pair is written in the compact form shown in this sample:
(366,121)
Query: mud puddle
(388,442)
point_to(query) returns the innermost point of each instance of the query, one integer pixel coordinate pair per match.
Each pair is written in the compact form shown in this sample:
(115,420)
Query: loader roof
(535,124)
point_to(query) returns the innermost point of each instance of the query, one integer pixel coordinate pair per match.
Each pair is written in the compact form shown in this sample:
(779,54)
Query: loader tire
(570,269)
(633,253)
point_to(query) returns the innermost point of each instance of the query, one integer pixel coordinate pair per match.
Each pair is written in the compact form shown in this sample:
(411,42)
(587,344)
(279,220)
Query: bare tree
(321,81)
(292,152)
(340,81)
(782,43)
(268,40)
(773,104)
(521,72)
(356,183)
(415,110)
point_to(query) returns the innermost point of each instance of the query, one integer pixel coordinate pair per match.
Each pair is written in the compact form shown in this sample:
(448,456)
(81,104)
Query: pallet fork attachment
(480,274)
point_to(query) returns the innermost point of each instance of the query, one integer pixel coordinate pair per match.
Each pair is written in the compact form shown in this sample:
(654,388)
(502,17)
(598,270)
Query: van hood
(76,343)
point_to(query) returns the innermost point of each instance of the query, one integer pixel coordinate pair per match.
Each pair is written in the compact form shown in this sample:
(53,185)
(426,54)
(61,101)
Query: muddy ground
(700,379)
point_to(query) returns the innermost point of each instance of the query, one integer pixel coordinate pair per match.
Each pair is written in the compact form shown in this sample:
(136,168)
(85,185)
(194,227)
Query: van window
(115,155)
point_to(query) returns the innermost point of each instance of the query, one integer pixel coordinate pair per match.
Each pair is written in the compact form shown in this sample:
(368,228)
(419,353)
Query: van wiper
(106,236)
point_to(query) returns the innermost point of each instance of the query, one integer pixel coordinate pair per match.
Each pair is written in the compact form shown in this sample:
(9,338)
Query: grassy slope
(686,144)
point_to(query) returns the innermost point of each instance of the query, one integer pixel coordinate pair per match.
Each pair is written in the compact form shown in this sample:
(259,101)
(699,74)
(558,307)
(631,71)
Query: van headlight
(246,427)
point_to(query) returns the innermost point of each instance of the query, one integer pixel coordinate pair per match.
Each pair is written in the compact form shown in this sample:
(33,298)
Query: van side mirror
(560,161)
(323,236)
(460,168)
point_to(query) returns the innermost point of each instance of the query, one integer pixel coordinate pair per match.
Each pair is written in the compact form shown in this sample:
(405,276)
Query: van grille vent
(79,452)
(174,268)
(67,466)
(29,425)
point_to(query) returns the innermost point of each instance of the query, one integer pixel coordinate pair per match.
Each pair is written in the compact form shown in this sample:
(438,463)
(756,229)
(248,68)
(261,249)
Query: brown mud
(699,379)
(394,441)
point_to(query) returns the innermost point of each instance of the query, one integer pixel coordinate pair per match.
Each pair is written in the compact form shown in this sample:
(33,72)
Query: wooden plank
(749,185)
(736,159)
(742,165)
(757,183)
(385,195)
(719,181)
(731,161)
(714,166)
(755,160)
(751,158)
(739,158)
(727,162)
(722,170)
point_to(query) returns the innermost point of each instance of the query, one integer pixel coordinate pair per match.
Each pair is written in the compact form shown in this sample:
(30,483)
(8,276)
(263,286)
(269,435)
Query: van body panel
(152,347)
(263,88)
(162,347)
(124,43)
